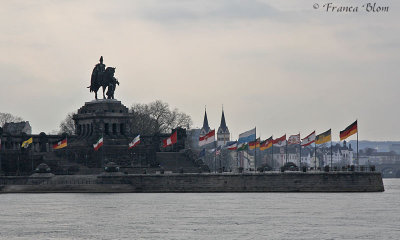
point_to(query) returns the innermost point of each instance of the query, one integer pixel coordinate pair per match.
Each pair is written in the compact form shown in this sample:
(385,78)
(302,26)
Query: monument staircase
(177,161)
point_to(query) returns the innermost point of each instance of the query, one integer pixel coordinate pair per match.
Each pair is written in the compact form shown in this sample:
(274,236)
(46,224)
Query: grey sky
(281,66)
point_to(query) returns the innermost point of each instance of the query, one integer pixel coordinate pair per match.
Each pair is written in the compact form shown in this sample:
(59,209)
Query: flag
(134,142)
(202,153)
(208,138)
(60,144)
(280,142)
(266,144)
(26,143)
(218,151)
(294,139)
(170,140)
(254,144)
(232,146)
(98,144)
(323,137)
(350,130)
(242,146)
(308,140)
(247,136)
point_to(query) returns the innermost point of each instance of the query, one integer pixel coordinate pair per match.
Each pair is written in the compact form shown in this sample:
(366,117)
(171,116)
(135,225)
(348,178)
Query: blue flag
(247,136)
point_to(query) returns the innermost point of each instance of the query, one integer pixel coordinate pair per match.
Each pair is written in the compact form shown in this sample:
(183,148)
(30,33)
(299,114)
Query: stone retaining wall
(260,182)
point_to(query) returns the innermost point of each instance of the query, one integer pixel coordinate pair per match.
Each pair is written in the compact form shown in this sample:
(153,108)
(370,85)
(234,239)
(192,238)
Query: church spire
(223,126)
(205,128)
(223,135)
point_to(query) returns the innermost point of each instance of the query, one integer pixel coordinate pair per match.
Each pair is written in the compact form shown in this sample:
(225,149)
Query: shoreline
(196,182)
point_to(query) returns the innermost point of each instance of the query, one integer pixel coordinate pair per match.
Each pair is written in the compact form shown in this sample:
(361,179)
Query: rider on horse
(97,76)
(103,77)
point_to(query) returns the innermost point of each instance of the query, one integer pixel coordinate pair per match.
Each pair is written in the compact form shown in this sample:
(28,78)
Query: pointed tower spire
(223,123)
(223,131)
(205,129)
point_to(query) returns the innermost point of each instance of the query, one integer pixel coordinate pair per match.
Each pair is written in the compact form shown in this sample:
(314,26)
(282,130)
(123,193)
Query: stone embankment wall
(260,182)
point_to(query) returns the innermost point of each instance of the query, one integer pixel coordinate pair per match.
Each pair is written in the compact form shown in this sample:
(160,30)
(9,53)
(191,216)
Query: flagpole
(102,153)
(358,163)
(331,154)
(220,160)
(255,151)
(272,153)
(215,157)
(300,152)
(237,157)
(31,154)
(247,153)
(286,152)
(315,156)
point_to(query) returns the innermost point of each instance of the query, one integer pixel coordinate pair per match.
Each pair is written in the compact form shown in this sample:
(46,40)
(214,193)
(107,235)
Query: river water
(203,215)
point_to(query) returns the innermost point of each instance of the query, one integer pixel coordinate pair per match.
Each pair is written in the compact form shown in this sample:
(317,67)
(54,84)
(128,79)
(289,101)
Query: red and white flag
(233,146)
(208,138)
(98,145)
(134,142)
(280,142)
(308,140)
(294,139)
(171,140)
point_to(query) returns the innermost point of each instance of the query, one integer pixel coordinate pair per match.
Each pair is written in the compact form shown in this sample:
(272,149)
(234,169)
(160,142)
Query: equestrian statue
(103,77)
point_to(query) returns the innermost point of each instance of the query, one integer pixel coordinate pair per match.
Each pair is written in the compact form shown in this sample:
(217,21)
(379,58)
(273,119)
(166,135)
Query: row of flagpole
(249,138)
(171,140)
(246,138)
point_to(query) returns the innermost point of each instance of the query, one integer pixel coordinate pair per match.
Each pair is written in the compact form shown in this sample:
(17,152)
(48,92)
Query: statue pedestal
(104,117)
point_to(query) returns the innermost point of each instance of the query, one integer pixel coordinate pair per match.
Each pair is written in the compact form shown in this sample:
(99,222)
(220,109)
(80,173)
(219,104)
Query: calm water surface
(203,215)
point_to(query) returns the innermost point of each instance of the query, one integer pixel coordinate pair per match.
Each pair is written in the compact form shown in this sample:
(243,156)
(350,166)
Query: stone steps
(174,161)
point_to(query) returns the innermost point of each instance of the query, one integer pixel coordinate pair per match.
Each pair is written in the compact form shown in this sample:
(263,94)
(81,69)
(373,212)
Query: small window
(106,128)
(114,128)
(122,128)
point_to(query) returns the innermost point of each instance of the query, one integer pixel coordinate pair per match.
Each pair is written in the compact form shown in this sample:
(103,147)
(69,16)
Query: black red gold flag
(350,130)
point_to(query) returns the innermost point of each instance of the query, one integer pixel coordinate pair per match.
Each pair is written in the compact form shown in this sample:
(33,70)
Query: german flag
(254,144)
(323,137)
(350,130)
(266,144)
(60,144)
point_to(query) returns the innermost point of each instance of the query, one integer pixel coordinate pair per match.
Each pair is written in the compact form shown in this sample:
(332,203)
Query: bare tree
(156,117)
(141,120)
(8,117)
(67,125)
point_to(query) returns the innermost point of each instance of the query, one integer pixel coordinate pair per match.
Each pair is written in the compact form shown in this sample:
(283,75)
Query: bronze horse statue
(103,78)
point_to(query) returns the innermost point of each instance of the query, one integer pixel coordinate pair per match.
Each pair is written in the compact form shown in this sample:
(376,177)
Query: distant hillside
(380,146)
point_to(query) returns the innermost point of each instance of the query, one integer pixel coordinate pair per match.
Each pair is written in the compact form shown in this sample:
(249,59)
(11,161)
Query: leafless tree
(8,117)
(156,117)
(67,125)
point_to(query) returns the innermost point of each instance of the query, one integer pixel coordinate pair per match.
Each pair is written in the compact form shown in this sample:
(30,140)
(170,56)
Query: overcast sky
(281,66)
